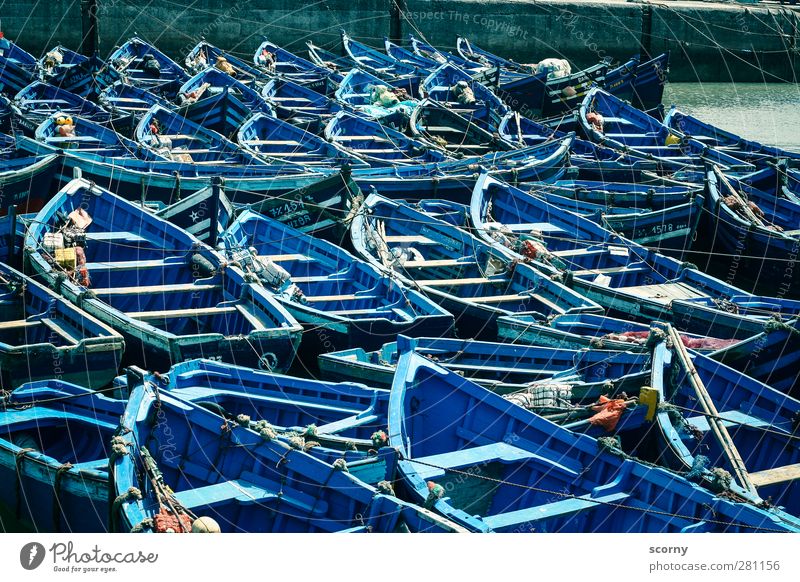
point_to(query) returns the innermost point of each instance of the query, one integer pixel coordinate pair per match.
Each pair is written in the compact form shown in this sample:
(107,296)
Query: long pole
(90,41)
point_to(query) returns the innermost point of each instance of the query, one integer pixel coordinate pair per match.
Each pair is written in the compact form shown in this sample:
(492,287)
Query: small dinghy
(475,281)
(205,54)
(735,433)
(168,134)
(375,61)
(182,472)
(327,289)
(280,142)
(44,336)
(499,367)
(26,178)
(170,296)
(490,465)
(278,62)
(39,100)
(124,99)
(454,133)
(143,65)
(55,441)
(378,144)
(409,57)
(456,90)
(74,72)
(300,105)
(18,68)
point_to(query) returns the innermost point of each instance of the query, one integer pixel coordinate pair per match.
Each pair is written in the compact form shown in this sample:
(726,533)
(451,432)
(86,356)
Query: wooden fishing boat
(205,214)
(76,73)
(280,142)
(245,482)
(44,336)
(649,82)
(490,465)
(627,129)
(734,432)
(205,54)
(91,139)
(375,61)
(758,231)
(499,367)
(337,420)
(328,59)
(166,292)
(670,227)
(300,105)
(124,99)
(277,61)
(428,51)
(356,90)
(475,281)
(143,65)
(18,68)
(327,289)
(168,134)
(54,448)
(446,86)
(744,149)
(198,98)
(474,53)
(409,57)
(40,100)
(377,144)
(25,178)
(456,134)
(627,279)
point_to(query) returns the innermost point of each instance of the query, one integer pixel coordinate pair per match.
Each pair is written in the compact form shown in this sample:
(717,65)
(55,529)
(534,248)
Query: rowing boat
(74,72)
(280,142)
(474,53)
(357,90)
(409,57)
(205,54)
(162,289)
(446,85)
(44,336)
(300,105)
(475,281)
(54,439)
(627,279)
(123,99)
(247,481)
(454,133)
(375,61)
(344,301)
(18,68)
(500,367)
(490,465)
(205,214)
(428,51)
(377,144)
(629,130)
(143,65)
(277,61)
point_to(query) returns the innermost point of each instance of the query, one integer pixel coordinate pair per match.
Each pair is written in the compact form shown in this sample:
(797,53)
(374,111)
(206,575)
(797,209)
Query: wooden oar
(744,204)
(714,421)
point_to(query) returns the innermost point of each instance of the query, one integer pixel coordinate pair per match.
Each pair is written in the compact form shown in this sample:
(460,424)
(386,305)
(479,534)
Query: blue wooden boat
(758,230)
(342,301)
(671,227)
(649,82)
(474,53)
(166,292)
(445,86)
(54,447)
(205,214)
(743,429)
(428,51)
(475,281)
(638,134)
(18,68)
(40,100)
(124,99)
(501,368)
(168,134)
(747,150)
(409,57)
(44,336)
(90,138)
(627,279)
(456,133)
(205,54)
(377,144)
(76,73)
(25,178)
(277,61)
(356,91)
(490,465)
(376,62)
(280,142)
(336,420)
(143,65)
(246,481)
(299,104)
(198,99)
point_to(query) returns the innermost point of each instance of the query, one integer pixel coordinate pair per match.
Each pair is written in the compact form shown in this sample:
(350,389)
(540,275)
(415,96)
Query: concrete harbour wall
(709,41)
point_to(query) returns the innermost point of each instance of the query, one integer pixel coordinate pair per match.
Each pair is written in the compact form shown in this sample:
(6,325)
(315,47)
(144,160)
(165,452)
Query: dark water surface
(766,113)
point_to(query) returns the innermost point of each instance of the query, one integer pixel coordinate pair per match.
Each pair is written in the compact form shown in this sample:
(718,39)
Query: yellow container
(66,258)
